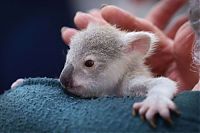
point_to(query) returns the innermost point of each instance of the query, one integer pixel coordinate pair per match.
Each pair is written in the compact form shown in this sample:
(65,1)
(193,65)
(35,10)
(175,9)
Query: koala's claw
(152,123)
(142,117)
(151,106)
(133,113)
(169,120)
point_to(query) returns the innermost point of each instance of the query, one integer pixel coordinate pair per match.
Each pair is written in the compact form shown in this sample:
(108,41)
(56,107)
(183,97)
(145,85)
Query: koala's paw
(153,105)
(17,83)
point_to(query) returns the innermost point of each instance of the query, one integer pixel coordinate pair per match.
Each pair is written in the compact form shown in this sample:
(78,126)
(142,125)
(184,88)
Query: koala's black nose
(66,79)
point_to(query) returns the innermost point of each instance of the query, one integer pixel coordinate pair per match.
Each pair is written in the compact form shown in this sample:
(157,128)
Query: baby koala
(103,60)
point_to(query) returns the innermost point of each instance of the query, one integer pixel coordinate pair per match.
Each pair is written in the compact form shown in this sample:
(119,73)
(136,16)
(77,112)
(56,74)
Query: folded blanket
(41,105)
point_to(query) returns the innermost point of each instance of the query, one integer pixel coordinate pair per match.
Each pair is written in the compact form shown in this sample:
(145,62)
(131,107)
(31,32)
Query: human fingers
(96,13)
(124,20)
(67,34)
(183,45)
(171,32)
(183,41)
(82,19)
(163,12)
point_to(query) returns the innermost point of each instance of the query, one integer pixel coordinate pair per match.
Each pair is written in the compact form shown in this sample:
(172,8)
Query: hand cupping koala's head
(98,58)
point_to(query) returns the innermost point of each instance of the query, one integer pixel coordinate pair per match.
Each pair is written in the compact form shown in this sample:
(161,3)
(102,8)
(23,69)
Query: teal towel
(40,105)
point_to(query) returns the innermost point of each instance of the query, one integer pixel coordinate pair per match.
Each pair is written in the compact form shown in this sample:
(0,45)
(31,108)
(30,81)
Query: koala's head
(99,57)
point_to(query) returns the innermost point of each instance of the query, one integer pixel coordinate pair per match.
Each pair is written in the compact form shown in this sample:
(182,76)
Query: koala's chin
(89,92)
(82,92)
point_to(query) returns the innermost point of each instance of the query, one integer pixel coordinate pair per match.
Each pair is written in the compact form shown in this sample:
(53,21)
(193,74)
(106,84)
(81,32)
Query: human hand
(172,58)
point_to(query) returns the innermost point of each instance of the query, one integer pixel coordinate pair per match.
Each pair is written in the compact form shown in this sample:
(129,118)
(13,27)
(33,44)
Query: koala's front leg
(158,101)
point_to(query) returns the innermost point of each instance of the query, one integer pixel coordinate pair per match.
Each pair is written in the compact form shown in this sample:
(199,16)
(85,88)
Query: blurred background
(30,40)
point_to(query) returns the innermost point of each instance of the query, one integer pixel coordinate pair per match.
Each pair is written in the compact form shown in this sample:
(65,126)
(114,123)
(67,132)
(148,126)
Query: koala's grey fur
(103,42)
(118,69)
(114,69)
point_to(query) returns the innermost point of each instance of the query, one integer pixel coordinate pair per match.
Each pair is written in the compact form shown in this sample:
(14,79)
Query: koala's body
(104,60)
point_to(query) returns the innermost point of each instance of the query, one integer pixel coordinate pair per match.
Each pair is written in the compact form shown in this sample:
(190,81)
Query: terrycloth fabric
(40,105)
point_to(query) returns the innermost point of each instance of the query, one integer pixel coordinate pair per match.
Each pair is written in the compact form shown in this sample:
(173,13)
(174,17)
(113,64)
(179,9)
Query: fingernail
(103,5)
(63,29)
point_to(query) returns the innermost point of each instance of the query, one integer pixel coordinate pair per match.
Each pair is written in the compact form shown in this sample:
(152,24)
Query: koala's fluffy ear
(143,42)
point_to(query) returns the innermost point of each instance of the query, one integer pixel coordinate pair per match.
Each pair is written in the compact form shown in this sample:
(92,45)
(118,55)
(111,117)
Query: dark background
(30,38)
